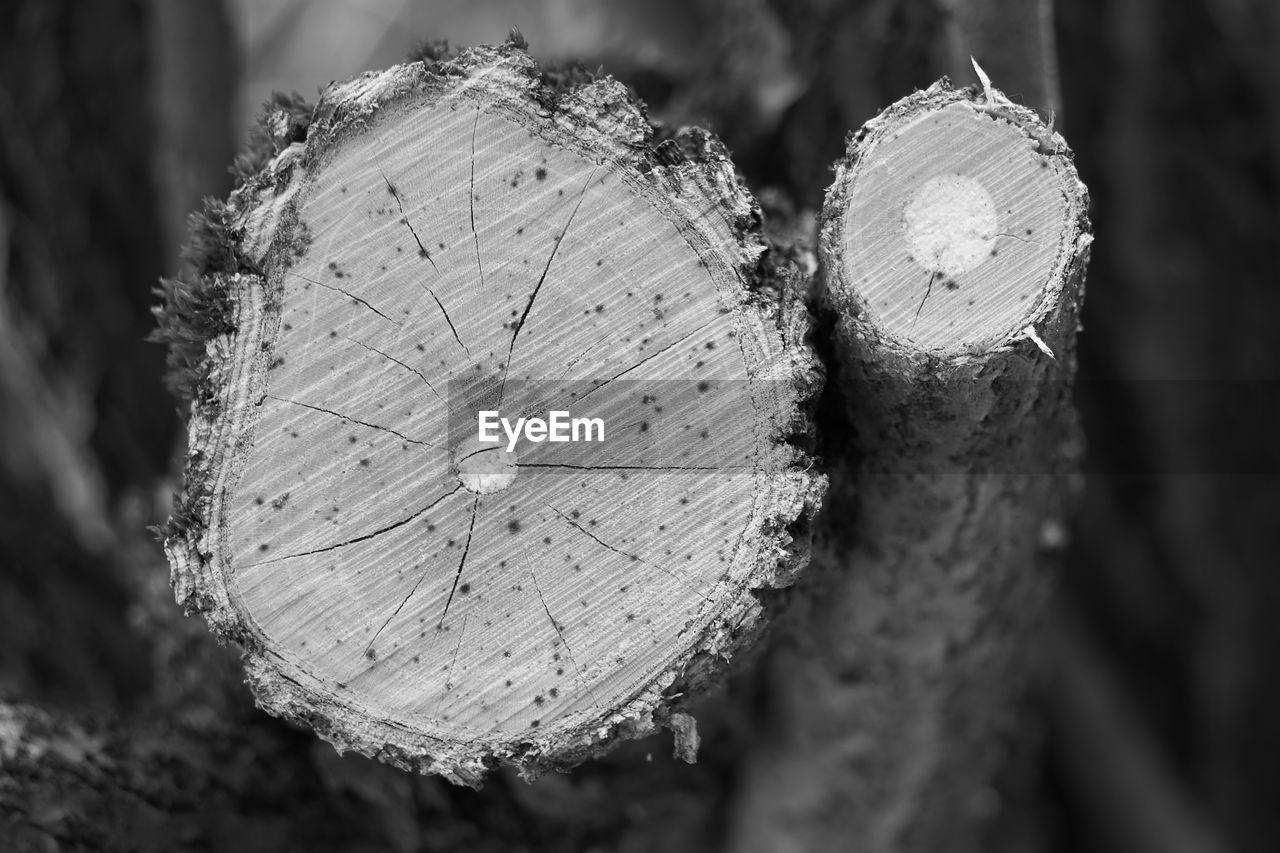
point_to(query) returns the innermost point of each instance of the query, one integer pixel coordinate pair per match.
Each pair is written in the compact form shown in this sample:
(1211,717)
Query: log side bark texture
(295,328)
(903,651)
(149,784)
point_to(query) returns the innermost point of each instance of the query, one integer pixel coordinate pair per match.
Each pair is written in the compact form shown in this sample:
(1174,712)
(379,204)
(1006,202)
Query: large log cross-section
(440,240)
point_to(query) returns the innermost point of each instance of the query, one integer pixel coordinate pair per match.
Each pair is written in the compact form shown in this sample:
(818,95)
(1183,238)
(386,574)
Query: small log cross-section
(448,237)
(952,256)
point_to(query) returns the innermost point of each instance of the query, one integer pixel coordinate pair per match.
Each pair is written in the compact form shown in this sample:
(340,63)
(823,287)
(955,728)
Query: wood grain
(951,303)
(895,682)
(458,237)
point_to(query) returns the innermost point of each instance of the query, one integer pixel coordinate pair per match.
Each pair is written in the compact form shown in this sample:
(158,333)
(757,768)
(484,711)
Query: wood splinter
(435,240)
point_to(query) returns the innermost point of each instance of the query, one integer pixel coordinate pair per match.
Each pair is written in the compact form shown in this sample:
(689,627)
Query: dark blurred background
(1158,701)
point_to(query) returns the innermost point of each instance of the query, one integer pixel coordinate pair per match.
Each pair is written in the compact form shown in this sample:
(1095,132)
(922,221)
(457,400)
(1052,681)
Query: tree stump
(449,238)
(952,256)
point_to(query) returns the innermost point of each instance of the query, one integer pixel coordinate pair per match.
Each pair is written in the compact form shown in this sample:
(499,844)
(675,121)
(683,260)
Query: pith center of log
(482,468)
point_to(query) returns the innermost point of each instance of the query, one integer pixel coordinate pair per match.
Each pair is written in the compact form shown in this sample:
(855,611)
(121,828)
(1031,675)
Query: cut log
(440,240)
(952,252)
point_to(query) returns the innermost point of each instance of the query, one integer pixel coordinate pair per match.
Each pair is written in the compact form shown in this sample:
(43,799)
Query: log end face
(952,225)
(414,597)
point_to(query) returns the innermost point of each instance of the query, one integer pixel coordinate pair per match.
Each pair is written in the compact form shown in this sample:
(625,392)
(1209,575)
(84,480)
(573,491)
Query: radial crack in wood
(442,239)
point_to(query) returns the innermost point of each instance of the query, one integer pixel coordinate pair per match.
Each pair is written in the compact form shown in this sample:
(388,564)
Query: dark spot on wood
(364,463)
(540,173)
(370,653)
(644,426)
(539,701)
(710,344)
(704,387)
(599,309)
(465,588)
(536,723)
(351,439)
(546,540)
(263,547)
(513,526)
(951,284)
(506,654)
(259,501)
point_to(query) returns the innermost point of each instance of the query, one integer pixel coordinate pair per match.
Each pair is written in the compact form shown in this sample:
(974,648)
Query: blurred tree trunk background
(1156,723)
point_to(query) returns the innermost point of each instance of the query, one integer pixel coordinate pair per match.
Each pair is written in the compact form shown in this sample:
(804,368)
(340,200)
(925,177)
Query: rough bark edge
(1072,250)
(903,755)
(205,320)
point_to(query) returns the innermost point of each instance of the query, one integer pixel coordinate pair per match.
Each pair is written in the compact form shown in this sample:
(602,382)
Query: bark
(896,679)
(152,785)
(589,619)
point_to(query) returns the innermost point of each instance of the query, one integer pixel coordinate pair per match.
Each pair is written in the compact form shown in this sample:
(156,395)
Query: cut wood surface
(952,253)
(447,237)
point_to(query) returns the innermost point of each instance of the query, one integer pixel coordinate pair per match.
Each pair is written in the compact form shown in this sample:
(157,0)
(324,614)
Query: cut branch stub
(952,255)
(944,229)
(452,238)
